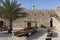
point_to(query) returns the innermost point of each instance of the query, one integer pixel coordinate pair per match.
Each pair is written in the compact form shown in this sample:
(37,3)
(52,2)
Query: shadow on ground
(38,34)
(5,34)
(55,34)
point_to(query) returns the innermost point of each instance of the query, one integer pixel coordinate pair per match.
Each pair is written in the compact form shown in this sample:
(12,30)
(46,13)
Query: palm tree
(0,2)
(0,5)
(11,11)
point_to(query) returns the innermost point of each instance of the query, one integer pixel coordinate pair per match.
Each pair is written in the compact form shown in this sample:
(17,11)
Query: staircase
(58,18)
(56,22)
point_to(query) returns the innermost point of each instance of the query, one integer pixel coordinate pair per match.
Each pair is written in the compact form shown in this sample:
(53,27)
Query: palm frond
(11,10)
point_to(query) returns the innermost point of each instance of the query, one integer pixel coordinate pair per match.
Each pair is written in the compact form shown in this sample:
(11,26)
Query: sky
(40,4)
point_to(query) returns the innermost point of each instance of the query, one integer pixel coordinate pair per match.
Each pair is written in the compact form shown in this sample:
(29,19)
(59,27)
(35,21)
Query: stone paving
(41,34)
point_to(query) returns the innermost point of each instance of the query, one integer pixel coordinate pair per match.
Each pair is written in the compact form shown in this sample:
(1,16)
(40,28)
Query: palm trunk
(10,26)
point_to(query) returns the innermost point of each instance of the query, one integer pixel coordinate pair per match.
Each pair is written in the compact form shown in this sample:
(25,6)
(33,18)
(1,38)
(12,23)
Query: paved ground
(41,34)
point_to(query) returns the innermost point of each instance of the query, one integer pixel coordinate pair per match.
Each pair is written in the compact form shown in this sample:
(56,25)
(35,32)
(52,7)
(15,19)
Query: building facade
(41,16)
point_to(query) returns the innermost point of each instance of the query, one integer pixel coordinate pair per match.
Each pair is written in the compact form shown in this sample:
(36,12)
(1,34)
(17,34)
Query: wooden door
(29,24)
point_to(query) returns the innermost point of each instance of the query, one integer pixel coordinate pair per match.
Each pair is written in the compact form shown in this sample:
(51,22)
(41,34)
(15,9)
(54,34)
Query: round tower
(33,6)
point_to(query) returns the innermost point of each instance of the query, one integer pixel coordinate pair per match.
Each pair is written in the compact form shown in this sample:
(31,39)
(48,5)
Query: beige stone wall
(42,17)
(33,16)
(5,21)
(19,23)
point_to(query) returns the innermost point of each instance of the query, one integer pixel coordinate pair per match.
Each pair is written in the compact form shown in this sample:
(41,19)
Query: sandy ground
(41,34)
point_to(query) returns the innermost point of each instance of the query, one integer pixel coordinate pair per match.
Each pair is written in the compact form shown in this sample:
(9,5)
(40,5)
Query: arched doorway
(29,23)
(3,26)
(51,22)
(1,23)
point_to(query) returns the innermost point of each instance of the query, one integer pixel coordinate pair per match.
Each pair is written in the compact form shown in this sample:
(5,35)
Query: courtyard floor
(41,34)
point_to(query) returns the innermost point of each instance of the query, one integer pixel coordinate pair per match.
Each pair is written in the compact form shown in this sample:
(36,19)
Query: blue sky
(40,4)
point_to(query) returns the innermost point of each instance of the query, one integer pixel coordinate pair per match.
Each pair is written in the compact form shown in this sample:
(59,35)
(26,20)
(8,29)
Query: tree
(11,10)
(0,5)
(0,2)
